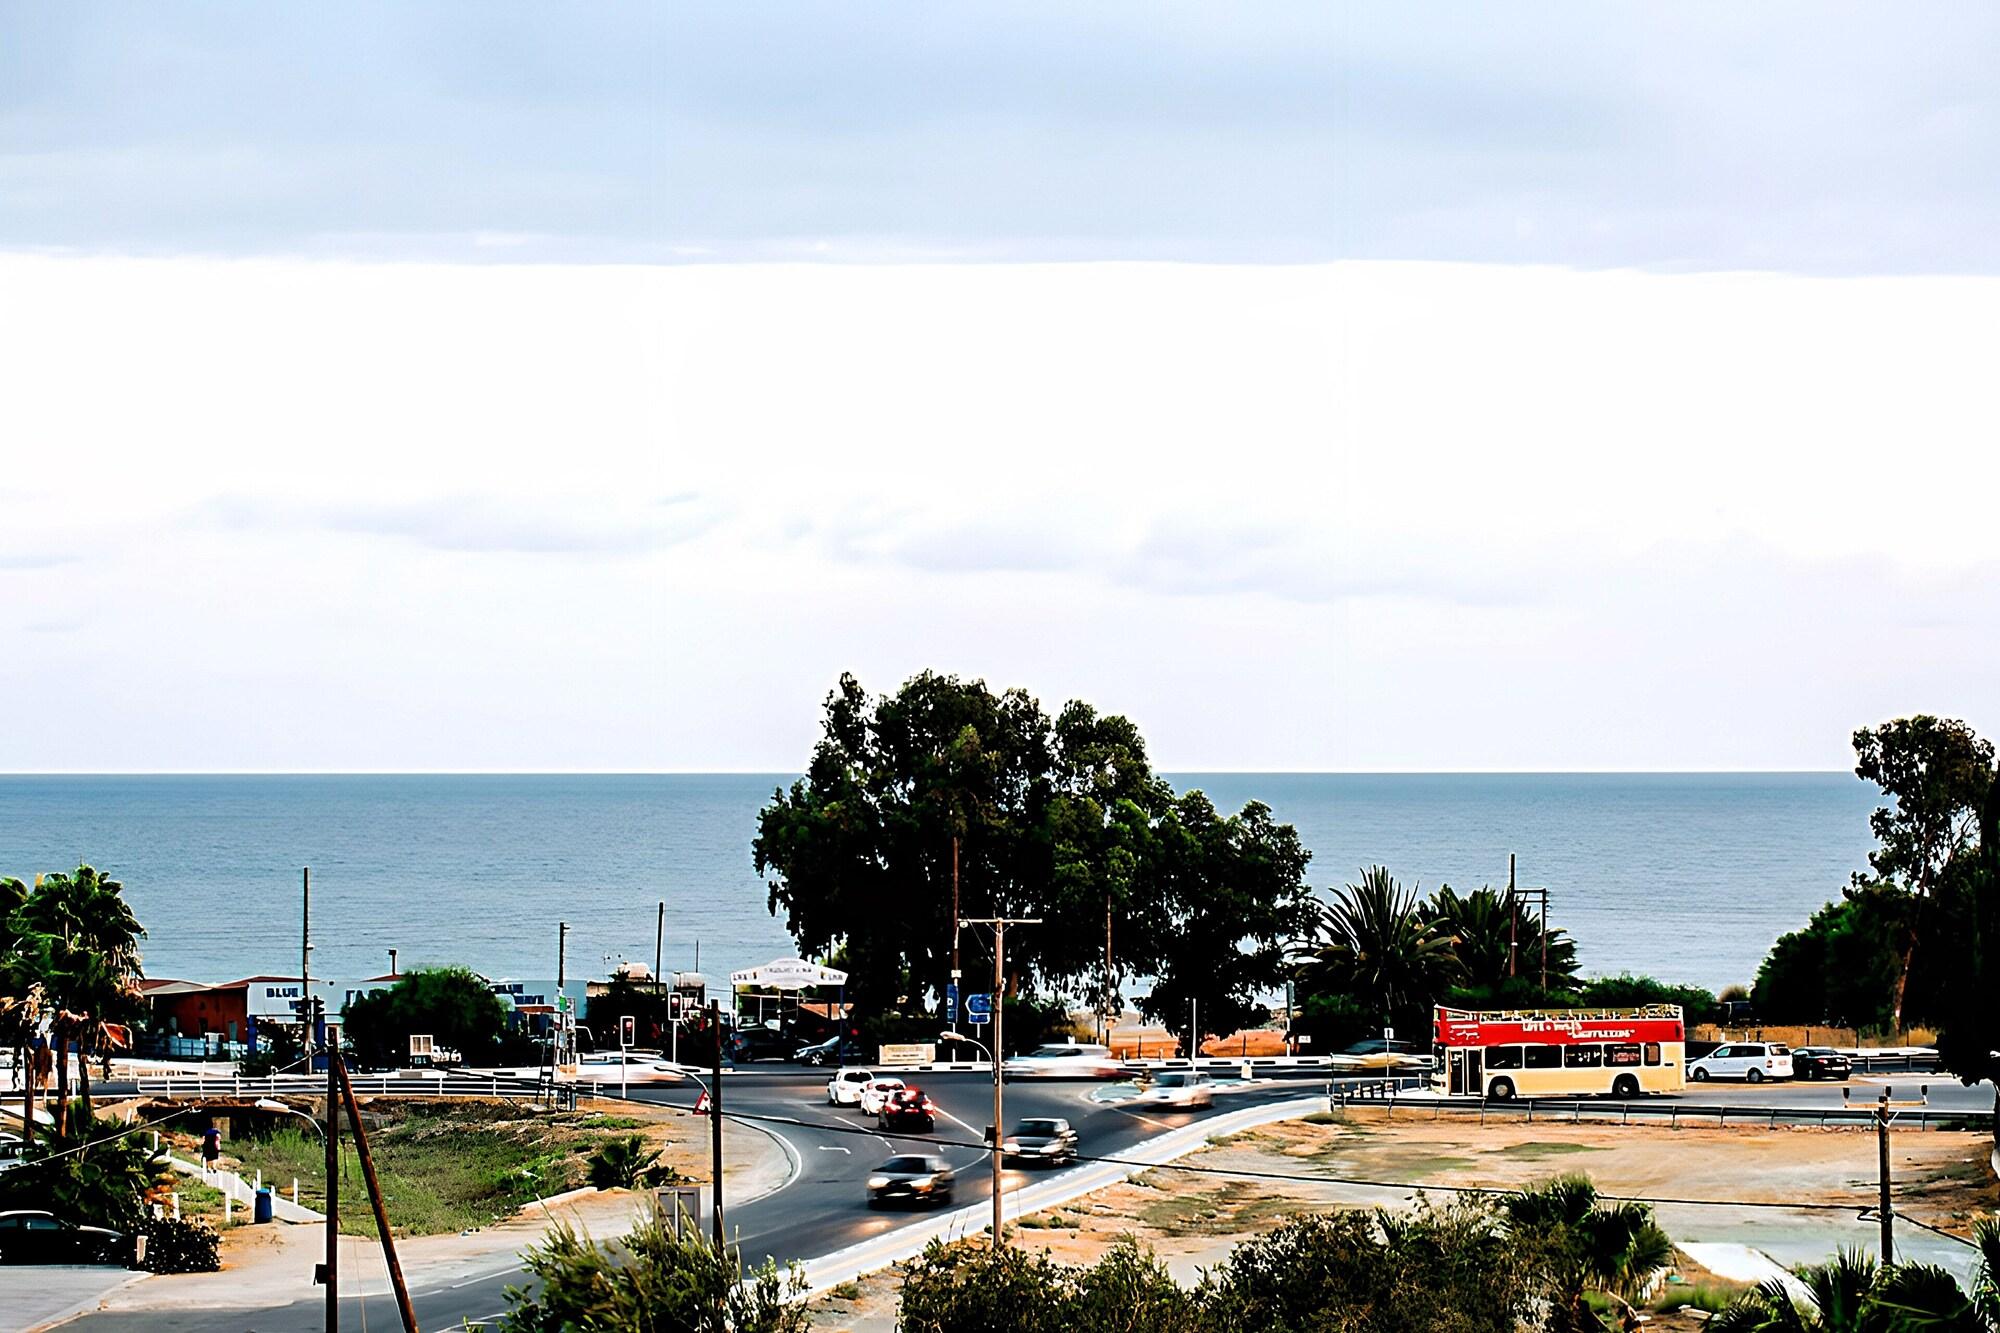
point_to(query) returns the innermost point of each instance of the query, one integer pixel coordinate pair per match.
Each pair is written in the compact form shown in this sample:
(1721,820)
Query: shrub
(626,1163)
(180,1245)
(1626,991)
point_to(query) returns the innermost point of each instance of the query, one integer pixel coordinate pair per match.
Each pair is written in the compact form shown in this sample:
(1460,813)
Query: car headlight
(878,1182)
(1011,1145)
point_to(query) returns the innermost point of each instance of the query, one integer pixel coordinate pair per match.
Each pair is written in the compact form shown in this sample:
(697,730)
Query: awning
(788,974)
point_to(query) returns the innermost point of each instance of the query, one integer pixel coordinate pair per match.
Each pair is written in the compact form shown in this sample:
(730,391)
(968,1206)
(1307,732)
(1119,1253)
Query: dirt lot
(1193,1219)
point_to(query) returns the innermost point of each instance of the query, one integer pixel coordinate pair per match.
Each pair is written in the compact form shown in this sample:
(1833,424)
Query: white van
(1751,1061)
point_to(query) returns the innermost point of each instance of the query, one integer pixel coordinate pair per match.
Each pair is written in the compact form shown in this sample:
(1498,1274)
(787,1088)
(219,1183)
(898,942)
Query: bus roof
(1559,1027)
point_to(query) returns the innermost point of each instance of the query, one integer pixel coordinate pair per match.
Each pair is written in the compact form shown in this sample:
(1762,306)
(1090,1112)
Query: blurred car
(631,1066)
(832,1051)
(1751,1061)
(1180,1090)
(10,1151)
(917,1178)
(30,1236)
(1064,1060)
(748,1045)
(1041,1142)
(909,1108)
(875,1093)
(1381,1046)
(844,1088)
(1817,1062)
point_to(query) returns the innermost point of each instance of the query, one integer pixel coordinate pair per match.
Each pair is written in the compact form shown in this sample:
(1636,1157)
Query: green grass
(1699,1296)
(845,1291)
(204,1202)
(1540,1151)
(441,1169)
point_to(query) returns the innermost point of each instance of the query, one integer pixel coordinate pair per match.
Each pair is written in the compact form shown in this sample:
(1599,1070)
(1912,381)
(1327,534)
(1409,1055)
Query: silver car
(1043,1142)
(915,1178)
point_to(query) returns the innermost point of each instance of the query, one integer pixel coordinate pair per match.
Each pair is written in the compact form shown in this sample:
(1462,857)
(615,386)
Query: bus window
(1652,1052)
(1544,1057)
(1626,1054)
(1582,1057)
(1503,1057)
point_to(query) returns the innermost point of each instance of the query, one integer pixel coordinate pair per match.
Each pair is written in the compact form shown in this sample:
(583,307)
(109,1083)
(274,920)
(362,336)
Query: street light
(969,1041)
(266,1104)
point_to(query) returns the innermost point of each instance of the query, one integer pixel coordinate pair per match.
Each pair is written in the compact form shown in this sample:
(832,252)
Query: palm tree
(1497,938)
(1582,1244)
(20,996)
(1372,943)
(1852,1294)
(84,942)
(1986,1282)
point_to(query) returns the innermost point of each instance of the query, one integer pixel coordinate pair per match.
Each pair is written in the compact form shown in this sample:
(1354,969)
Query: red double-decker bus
(1559,1052)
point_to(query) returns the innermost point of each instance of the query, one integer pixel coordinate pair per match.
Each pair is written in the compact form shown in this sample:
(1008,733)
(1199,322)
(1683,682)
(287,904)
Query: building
(221,1015)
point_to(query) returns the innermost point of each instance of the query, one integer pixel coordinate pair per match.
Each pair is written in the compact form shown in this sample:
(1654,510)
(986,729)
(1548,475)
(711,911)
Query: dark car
(749,1044)
(832,1051)
(908,1108)
(1818,1062)
(1381,1046)
(1040,1142)
(911,1179)
(28,1236)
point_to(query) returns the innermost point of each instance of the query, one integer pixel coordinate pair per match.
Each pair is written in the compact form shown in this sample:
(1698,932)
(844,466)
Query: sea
(1688,877)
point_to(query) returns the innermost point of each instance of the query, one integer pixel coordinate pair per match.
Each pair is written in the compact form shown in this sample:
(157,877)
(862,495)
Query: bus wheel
(1501,1090)
(1625,1086)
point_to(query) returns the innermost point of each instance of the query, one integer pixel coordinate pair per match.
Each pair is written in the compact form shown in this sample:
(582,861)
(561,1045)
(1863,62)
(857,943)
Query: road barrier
(313,1085)
(1600,1111)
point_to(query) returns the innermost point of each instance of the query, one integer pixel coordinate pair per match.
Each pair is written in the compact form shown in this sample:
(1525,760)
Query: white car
(631,1066)
(875,1094)
(844,1088)
(1064,1060)
(1751,1061)
(1180,1090)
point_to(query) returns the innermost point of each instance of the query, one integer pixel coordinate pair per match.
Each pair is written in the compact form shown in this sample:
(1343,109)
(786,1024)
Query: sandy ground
(270,1265)
(1192,1220)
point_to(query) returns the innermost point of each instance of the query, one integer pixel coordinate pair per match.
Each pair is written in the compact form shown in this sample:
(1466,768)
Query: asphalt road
(823,1207)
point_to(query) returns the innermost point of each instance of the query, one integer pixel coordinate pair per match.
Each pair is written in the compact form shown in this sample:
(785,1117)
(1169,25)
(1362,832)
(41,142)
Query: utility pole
(952,1022)
(1885,1110)
(998,1153)
(1545,944)
(715,1124)
(305,958)
(1513,915)
(392,964)
(335,1064)
(659,943)
(1107,969)
(332,1137)
(1194,1030)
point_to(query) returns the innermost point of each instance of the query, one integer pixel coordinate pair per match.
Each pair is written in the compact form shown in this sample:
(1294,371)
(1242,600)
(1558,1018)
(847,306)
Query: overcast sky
(1326,386)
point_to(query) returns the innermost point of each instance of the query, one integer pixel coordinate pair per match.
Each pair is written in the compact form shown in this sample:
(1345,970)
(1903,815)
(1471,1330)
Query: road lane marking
(828,1147)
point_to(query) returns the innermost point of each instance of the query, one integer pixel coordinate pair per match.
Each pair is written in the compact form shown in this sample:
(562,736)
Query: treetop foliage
(453,1005)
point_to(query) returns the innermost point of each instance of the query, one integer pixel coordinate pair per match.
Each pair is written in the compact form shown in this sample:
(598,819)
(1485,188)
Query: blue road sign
(951,1004)
(979,1008)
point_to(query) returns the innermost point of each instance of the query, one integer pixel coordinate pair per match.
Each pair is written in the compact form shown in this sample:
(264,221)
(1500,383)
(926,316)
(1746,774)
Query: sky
(411,387)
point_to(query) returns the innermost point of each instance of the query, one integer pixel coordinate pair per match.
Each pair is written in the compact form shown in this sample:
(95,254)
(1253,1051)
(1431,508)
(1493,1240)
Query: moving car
(844,1088)
(10,1151)
(875,1093)
(1064,1060)
(1751,1061)
(1817,1062)
(917,1178)
(909,1109)
(751,1044)
(1042,1142)
(1181,1090)
(832,1051)
(30,1236)
(630,1066)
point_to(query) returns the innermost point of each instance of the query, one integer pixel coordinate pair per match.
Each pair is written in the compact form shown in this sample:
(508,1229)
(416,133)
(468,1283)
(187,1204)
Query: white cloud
(1350,516)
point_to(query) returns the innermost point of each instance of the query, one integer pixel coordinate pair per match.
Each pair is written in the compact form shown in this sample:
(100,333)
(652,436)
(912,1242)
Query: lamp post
(999,924)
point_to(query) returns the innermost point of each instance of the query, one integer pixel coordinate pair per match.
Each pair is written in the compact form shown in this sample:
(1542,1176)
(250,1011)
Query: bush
(968,1288)
(450,1004)
(180,1245)
(626,1163)
(1626,991)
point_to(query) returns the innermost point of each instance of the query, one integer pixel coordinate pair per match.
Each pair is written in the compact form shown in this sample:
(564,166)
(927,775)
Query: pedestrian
(211,1147)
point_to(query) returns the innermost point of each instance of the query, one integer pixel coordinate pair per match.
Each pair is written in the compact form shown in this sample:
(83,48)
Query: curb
(84,1307)
(905,1242)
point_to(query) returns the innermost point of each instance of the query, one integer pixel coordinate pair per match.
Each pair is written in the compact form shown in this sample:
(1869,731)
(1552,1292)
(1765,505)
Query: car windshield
(1171,1081)
(906,1165)
(1051,1052)
(1039,1128)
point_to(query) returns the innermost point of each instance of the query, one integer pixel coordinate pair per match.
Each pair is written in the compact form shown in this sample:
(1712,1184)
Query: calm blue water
(1686,876)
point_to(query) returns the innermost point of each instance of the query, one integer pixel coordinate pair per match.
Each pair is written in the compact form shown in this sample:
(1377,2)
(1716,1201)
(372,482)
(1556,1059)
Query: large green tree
(78,936)
(453,1006)
(1061,819)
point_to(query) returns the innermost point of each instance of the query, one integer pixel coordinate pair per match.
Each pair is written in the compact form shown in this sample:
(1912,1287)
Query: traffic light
(627,1030)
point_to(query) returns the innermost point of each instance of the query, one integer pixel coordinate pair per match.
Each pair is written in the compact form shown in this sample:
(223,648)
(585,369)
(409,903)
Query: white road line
(828,1147)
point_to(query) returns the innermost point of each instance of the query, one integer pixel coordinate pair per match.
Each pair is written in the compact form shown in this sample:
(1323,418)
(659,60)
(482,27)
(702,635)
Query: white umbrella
(788,974)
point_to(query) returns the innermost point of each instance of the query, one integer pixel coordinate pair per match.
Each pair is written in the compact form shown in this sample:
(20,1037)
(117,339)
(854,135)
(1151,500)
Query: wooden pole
(336,1064)
(715,1125)
(332,1137)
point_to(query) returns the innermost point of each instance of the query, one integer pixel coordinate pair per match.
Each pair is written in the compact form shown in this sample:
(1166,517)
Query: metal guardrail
(308,1085)
(1601,1111)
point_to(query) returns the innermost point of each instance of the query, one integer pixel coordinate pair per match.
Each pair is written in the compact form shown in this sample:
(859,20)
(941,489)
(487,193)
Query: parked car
(832,1051)
(875,1093)
(1064,1060)
(747,1045)
(30,1236)
(909,1108)
(10,1151)
(917,1178)
(844,1088)
(1817,1062)
(1182,1091)
(1751,1061)
(1042,1142)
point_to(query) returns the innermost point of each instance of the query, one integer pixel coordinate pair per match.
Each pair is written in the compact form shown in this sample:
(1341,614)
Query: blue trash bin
(263,1211)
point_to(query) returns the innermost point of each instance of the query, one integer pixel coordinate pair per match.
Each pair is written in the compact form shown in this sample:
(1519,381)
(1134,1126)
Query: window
(1544,1057)
(1625,1054)
(1503,1057)
(1652,1052)
(1722,1053)
(1582,1057)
